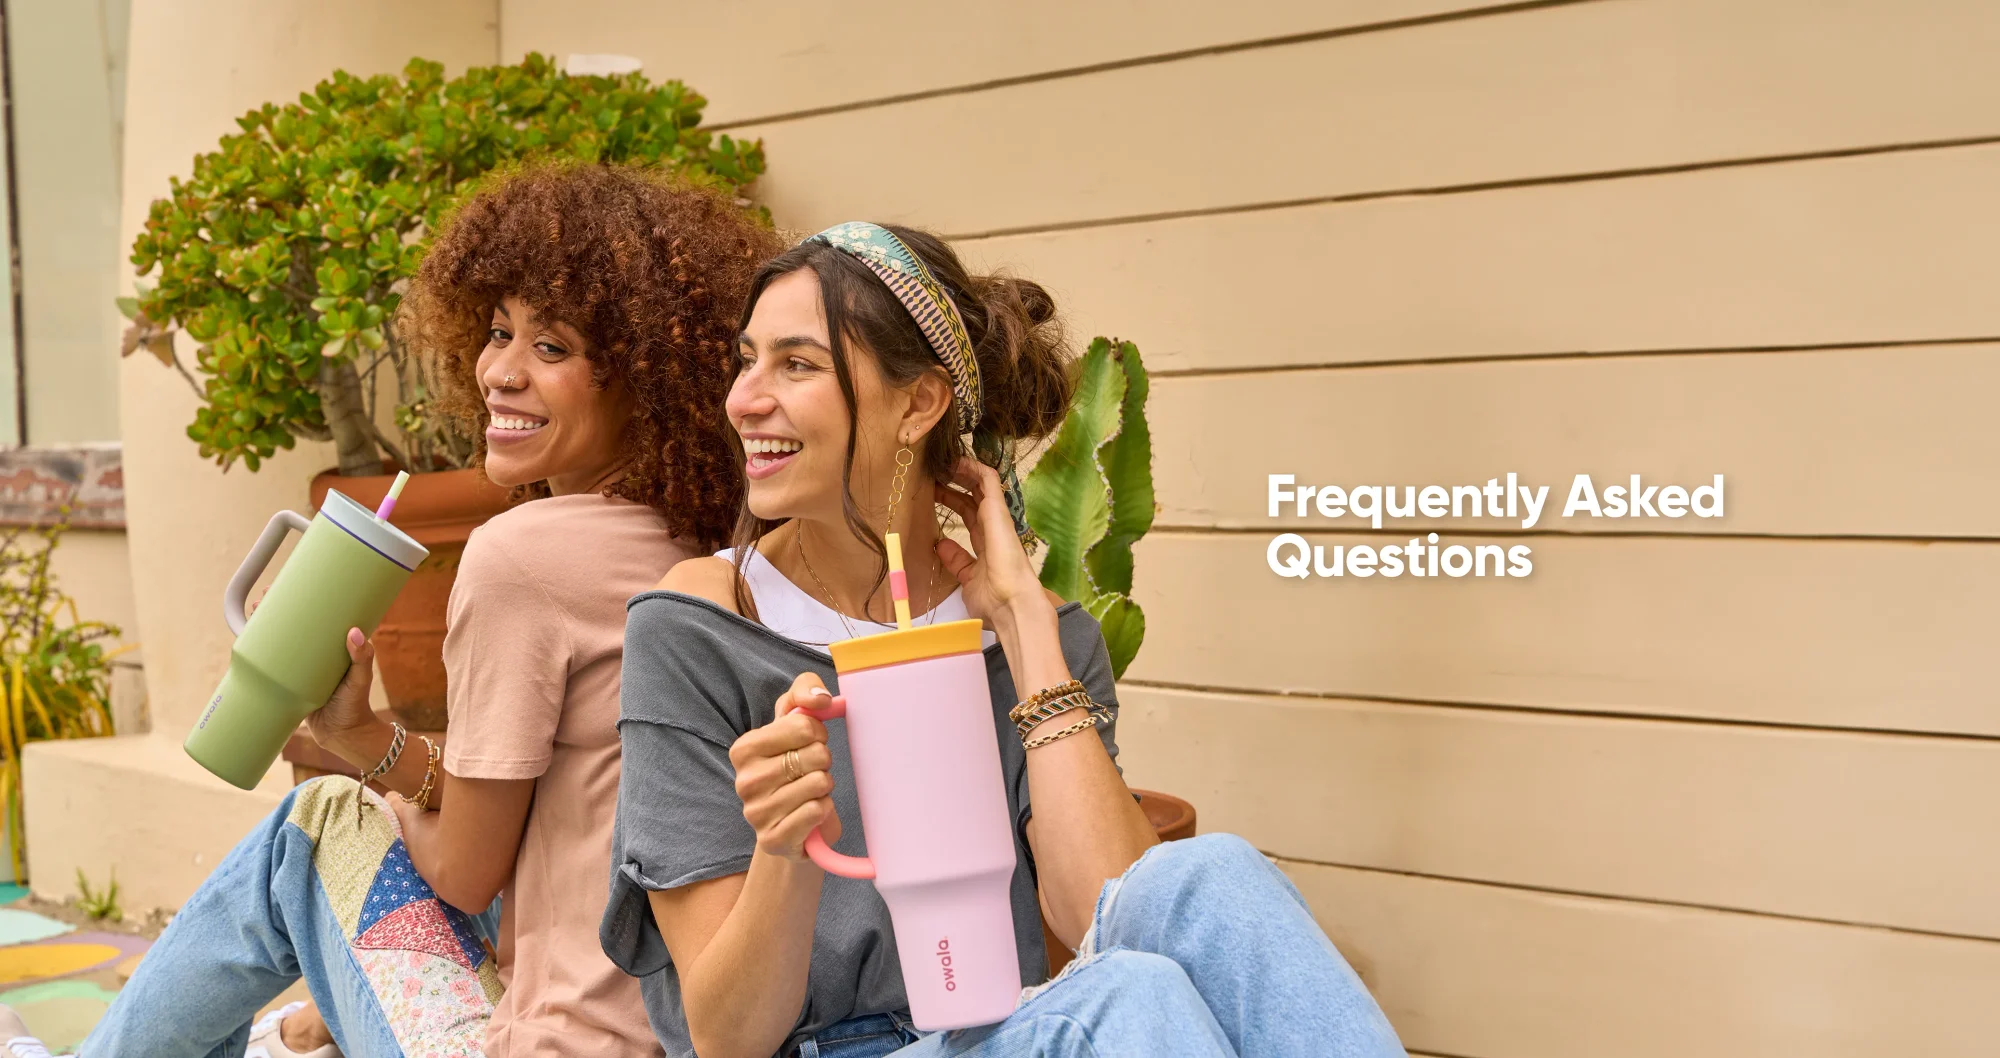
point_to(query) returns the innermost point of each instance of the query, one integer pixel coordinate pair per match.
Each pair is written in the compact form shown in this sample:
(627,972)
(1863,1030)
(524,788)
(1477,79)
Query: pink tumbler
(934,807)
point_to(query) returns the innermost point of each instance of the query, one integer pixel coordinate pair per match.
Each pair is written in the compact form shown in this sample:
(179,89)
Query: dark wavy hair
(651,271)
(1024,363)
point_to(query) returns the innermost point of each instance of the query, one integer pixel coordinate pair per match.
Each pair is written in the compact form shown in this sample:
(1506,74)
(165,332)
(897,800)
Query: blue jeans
(1202,949)
(323,889)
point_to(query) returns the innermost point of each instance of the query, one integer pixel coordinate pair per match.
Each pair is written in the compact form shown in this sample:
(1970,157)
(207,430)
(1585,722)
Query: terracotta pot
(440,510)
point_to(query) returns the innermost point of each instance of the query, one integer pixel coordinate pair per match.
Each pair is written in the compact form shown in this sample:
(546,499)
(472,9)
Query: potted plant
(1089,499)
(55,670)
(286,252)
(1090,495)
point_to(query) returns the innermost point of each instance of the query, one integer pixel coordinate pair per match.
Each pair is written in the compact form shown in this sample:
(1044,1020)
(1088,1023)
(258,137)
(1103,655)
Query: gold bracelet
(432,754)
(1043,696)
(1083,724)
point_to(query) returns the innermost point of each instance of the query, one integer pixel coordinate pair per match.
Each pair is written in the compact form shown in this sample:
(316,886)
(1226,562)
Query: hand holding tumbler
(289,655)
(933,800)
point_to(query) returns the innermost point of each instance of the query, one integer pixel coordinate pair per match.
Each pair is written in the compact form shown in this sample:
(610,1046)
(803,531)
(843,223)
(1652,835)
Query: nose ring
(508,382)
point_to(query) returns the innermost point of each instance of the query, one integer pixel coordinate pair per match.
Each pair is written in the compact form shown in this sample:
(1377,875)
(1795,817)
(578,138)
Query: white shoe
(267,1042)
(14,1039)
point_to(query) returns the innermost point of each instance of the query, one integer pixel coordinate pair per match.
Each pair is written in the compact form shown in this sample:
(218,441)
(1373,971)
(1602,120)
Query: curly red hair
(651,271)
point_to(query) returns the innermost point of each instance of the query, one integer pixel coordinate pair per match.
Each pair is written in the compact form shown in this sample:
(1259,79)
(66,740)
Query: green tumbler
(292,652)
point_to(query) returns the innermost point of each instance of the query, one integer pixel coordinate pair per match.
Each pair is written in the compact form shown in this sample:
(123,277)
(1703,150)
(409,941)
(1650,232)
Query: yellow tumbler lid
(894,648)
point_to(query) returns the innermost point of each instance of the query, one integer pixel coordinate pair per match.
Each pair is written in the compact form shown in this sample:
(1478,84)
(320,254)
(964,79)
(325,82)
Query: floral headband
(931,307)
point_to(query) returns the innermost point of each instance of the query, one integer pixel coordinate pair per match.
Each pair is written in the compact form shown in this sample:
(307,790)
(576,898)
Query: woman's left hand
(419,827)
(999,581)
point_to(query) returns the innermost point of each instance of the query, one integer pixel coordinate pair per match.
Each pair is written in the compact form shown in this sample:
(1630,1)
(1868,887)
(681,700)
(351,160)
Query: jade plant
(286,251)
(55,670)
(1090,496)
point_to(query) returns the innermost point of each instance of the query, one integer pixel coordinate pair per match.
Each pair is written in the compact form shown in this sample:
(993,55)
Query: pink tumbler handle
(817,849)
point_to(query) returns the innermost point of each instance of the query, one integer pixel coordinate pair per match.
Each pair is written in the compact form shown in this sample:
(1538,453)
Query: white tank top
(787,609)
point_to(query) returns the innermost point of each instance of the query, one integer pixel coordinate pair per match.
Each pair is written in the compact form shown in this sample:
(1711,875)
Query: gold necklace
(930,582)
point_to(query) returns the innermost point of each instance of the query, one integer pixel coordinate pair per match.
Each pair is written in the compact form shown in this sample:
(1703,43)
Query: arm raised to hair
(1086,828)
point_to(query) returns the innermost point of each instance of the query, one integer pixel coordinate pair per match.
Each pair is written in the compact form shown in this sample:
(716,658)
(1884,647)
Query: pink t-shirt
(534,642)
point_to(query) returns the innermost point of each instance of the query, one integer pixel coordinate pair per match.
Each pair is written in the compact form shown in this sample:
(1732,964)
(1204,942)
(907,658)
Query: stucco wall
(66,169)
(194,67)
(1709,788)
(189,522)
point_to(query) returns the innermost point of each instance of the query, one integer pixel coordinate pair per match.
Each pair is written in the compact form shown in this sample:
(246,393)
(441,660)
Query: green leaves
(1090,497)
(287,243)
(55,673)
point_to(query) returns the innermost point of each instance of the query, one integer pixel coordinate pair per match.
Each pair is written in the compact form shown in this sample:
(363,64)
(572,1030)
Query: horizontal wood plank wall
(1578,89)
(1881,248)
(1713,789)
(762,58)
(1872,635)
(1466,969)
(1845,827)
(1872,442)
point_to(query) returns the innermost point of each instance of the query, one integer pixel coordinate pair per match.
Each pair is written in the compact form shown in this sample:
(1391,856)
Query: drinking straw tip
(389,501)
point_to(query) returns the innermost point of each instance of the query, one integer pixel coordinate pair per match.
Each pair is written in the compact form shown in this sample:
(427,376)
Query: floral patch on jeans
(435,1007)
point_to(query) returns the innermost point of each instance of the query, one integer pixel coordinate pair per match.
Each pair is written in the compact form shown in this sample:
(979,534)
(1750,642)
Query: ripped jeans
(1202,950)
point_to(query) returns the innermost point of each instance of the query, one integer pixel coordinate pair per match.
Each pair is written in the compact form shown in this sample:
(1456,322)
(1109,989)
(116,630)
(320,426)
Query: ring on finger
(794,770)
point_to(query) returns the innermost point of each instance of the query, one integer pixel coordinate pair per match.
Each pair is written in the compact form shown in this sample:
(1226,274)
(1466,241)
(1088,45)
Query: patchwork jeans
(322,889)
(1202,950)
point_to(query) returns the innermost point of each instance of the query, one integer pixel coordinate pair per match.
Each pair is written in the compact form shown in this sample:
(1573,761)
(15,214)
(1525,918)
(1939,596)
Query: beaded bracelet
(432,754)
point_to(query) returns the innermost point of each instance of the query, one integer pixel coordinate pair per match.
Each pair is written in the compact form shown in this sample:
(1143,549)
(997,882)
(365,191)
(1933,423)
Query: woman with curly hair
(581,318)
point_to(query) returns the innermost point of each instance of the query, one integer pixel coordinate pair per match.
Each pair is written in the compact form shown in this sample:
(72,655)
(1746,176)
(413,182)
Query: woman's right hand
(346,713)
(783,810)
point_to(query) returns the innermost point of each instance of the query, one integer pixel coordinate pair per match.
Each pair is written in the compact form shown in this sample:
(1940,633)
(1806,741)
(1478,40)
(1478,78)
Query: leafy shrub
(285,253)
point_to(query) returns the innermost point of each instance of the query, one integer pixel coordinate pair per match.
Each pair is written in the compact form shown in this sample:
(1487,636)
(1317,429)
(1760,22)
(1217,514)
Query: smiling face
(548,421)
(787,407)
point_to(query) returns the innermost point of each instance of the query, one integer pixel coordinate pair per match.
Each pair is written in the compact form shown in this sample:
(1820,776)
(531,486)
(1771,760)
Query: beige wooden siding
(1835,633)
(1851,442)
(1702,788)
(1882,248)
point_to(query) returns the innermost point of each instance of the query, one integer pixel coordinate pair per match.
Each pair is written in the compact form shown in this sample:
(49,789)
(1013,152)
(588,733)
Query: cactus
(1090,497)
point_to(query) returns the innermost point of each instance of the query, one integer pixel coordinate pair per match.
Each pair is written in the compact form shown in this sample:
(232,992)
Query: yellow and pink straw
(899,585)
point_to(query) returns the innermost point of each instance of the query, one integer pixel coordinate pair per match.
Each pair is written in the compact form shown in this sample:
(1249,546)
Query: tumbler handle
(238,592)
(817,849)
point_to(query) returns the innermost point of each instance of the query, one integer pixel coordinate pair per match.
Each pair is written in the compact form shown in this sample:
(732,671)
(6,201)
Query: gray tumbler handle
(238,591)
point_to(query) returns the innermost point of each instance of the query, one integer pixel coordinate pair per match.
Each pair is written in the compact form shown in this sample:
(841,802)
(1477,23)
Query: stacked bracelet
(1028,720)
(1049,703)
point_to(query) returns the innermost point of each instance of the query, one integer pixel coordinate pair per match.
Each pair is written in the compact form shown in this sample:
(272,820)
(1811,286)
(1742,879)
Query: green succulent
(1090,496)
(285,253)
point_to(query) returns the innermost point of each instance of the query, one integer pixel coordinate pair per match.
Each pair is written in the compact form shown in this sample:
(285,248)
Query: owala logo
(208,712)
(944,963)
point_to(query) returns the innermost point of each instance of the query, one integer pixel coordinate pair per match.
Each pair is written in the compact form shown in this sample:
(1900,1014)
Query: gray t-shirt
(698,676)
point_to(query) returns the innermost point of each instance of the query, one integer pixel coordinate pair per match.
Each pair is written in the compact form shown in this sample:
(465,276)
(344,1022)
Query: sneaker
(267,1042)
(14,1039)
